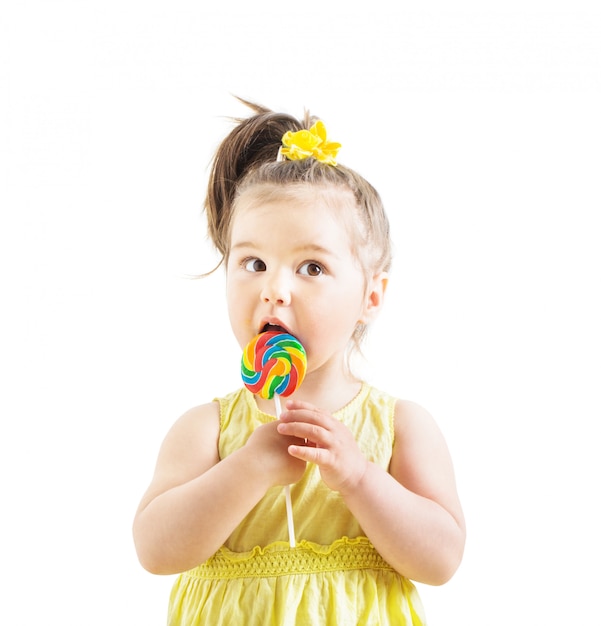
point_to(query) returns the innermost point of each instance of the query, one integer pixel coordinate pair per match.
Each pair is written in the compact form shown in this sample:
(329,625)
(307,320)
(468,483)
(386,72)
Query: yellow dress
(334,576)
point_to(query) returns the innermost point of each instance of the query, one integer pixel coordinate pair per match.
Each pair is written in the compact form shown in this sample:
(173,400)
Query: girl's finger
(309,454)
(312,432)
(309,416)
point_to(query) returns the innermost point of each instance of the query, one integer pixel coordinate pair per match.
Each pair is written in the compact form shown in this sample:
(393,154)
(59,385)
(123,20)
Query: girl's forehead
(325,197)
(324,215)
(300,218)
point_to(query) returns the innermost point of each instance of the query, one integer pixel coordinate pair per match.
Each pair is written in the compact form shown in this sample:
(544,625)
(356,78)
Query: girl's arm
(195,500)
(412,515)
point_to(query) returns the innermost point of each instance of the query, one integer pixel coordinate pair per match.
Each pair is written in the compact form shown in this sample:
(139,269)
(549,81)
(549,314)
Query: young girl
(305,243)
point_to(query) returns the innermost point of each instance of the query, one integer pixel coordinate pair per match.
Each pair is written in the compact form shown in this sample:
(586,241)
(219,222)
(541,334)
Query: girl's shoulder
(202,418)
(416,428)
(191,443)
(408,414)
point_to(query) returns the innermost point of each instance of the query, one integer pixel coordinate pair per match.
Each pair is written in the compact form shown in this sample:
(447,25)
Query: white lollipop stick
(292,540)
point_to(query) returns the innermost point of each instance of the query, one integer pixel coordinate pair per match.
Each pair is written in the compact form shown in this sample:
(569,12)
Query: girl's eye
(310,268)
(254,265)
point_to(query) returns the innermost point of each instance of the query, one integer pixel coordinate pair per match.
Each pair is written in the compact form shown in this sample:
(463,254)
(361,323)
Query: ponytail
(253,142)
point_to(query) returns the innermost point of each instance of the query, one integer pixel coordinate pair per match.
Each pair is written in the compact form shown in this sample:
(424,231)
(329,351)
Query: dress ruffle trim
(279,559)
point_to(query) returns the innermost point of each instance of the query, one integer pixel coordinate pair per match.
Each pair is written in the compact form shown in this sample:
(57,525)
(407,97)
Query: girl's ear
(374,297)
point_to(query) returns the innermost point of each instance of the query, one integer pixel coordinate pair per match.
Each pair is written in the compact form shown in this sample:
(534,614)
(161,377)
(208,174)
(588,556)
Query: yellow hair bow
(310,143)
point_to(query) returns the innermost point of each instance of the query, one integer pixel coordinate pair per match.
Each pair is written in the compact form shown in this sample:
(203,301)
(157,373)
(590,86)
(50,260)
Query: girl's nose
(276,291)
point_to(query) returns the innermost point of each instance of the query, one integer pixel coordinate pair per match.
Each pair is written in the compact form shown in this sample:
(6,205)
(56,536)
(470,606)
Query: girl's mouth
(274,328)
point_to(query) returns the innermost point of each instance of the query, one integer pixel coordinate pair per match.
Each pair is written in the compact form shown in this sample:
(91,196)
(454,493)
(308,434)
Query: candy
(273,363)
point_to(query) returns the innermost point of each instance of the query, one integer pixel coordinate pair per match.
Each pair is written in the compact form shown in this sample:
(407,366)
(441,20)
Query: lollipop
(273,365)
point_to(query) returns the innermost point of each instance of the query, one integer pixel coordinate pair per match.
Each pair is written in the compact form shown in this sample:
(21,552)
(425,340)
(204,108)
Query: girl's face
(291,265)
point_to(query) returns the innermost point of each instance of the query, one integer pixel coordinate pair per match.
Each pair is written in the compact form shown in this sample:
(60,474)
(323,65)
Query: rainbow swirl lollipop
(273,363)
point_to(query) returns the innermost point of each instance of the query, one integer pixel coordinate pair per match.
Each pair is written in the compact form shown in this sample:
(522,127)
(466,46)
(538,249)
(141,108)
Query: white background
(479,124)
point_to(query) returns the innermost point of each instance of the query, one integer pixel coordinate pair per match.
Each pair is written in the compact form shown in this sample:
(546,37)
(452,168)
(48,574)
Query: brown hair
(247,157)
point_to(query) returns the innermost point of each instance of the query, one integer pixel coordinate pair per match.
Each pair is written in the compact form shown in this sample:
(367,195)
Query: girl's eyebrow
(308,247)
(314,247)
(243,244)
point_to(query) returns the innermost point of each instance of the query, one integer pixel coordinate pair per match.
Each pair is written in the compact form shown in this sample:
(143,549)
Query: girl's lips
(273,324)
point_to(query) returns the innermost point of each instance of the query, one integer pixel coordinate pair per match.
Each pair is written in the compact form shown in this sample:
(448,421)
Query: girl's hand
(270,453)
(329,444)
